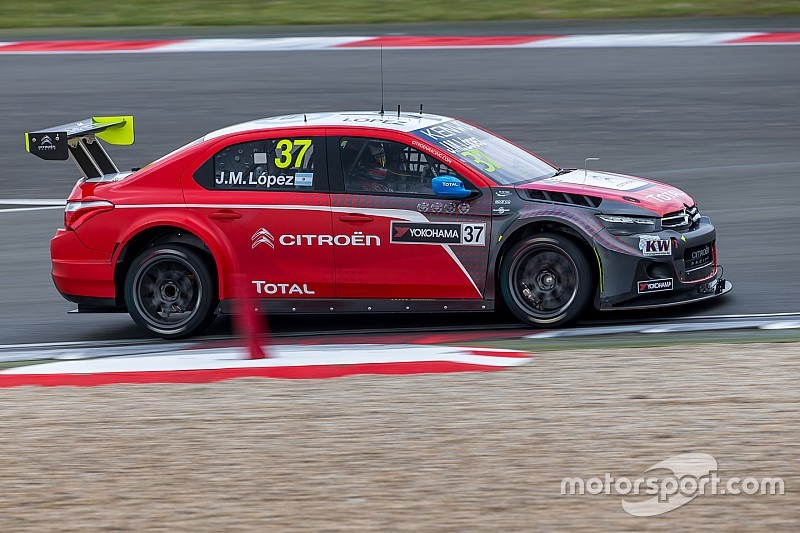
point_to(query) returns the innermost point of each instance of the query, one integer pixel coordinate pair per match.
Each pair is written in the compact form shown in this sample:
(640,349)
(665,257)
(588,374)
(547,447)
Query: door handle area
(225,214)
(356,217)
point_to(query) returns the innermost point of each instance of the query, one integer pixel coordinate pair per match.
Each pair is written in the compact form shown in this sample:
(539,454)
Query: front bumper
(720,287)
(634,279)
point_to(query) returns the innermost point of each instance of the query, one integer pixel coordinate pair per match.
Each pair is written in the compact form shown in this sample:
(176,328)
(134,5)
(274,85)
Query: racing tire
(546,280)
(169,291)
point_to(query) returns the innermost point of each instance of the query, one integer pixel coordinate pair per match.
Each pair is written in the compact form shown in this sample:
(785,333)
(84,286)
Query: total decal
(653,245)
(665,196)
(263,287)
(464,233)
(655,285)
(300,179)
(263,236)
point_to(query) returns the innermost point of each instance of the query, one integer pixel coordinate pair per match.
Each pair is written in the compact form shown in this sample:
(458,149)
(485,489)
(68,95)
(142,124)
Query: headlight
(625,225)
(615,219)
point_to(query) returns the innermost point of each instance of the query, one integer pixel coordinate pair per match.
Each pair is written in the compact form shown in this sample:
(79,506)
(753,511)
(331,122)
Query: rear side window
(282,164)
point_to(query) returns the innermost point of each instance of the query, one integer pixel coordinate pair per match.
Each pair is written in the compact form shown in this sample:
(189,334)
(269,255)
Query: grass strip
(85,13)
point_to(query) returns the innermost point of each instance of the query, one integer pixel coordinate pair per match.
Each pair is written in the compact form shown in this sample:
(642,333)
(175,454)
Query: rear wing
(79,141)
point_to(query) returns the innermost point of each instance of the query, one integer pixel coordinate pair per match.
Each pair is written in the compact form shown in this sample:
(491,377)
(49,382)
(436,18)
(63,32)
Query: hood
(651,195)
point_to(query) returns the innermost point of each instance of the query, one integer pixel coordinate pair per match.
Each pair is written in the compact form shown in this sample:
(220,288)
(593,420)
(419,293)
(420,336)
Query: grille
(564,198)
(680,220)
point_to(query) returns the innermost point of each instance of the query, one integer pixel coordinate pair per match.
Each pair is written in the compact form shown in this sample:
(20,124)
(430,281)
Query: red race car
(364,212)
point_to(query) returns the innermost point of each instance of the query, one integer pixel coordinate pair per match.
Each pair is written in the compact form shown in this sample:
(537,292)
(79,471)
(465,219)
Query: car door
(267,194)
(412,244)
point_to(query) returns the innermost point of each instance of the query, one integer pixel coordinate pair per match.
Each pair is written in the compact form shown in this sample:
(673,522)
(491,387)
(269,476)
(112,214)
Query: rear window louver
(564,198)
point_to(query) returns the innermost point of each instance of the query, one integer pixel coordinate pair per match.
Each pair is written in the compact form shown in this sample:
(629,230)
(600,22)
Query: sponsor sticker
(358,238)
(653,245)
(264,287)
(262,236)
(655,285)
(466,234)
(502,193)
(50,146)
(665,195)
(699,257)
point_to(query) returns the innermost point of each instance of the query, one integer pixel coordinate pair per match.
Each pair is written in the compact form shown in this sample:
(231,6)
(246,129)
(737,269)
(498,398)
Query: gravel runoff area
(478,451)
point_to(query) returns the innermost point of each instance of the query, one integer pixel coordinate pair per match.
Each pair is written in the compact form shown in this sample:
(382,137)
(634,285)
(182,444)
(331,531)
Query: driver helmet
(375,166)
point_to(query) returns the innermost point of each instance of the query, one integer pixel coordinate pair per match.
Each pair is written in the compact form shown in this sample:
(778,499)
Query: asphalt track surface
(721,123)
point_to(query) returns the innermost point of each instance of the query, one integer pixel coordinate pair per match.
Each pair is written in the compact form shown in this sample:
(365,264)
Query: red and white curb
(409,42)
(287,362)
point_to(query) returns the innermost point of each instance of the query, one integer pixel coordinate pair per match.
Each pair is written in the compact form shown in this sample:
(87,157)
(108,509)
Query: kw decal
(652,245)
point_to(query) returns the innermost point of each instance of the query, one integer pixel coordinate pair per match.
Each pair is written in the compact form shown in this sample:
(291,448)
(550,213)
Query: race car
(365,212)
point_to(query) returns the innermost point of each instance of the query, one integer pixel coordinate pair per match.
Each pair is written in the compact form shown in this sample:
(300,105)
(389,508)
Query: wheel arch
(165,233)
(526,227)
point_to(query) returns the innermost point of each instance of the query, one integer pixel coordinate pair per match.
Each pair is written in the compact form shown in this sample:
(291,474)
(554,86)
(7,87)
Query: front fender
(581,221)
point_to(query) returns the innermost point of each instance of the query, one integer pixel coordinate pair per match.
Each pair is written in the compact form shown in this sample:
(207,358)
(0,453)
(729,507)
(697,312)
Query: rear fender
(219,247)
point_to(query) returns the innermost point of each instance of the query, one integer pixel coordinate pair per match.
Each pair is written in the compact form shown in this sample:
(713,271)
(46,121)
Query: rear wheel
(169,291)
(546,280)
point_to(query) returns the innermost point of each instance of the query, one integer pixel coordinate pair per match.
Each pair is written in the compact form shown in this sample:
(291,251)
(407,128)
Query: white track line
(641,40)
(577,332)
(31,201)
(30,204)
(18,209)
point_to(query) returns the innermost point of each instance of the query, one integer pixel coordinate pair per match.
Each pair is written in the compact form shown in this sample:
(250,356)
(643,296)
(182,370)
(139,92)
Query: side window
(282,164)
(374,165)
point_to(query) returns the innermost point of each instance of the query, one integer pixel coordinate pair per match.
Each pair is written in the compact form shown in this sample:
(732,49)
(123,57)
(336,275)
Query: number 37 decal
(285,149)
(473,234)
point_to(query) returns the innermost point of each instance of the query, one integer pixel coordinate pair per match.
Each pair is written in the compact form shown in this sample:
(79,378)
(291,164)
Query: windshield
(498,159)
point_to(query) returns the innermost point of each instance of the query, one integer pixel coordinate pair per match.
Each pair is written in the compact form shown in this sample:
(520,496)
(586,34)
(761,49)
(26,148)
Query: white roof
(406,122)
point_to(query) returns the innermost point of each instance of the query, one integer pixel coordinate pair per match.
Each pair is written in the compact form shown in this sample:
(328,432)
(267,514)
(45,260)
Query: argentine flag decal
(304,179)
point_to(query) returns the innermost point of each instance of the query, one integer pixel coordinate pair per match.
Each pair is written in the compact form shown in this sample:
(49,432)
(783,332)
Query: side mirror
(449,187)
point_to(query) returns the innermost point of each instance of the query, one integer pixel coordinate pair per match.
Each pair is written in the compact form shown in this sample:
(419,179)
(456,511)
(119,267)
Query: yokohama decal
(656,285)
(438,233)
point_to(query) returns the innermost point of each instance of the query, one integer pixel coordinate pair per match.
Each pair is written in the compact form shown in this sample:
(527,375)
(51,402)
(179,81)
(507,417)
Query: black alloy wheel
(169,291)
(546,280)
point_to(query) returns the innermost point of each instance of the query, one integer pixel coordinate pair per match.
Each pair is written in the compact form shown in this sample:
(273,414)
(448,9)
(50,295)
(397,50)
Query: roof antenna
(398,110)
(586,164)
(420,109)
(381,80)
(305,119)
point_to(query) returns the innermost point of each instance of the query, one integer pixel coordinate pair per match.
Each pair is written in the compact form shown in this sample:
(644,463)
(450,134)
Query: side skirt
(303,306)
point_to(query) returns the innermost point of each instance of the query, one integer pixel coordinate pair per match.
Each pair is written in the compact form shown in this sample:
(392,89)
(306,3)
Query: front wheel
(169,291)
(546,280)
